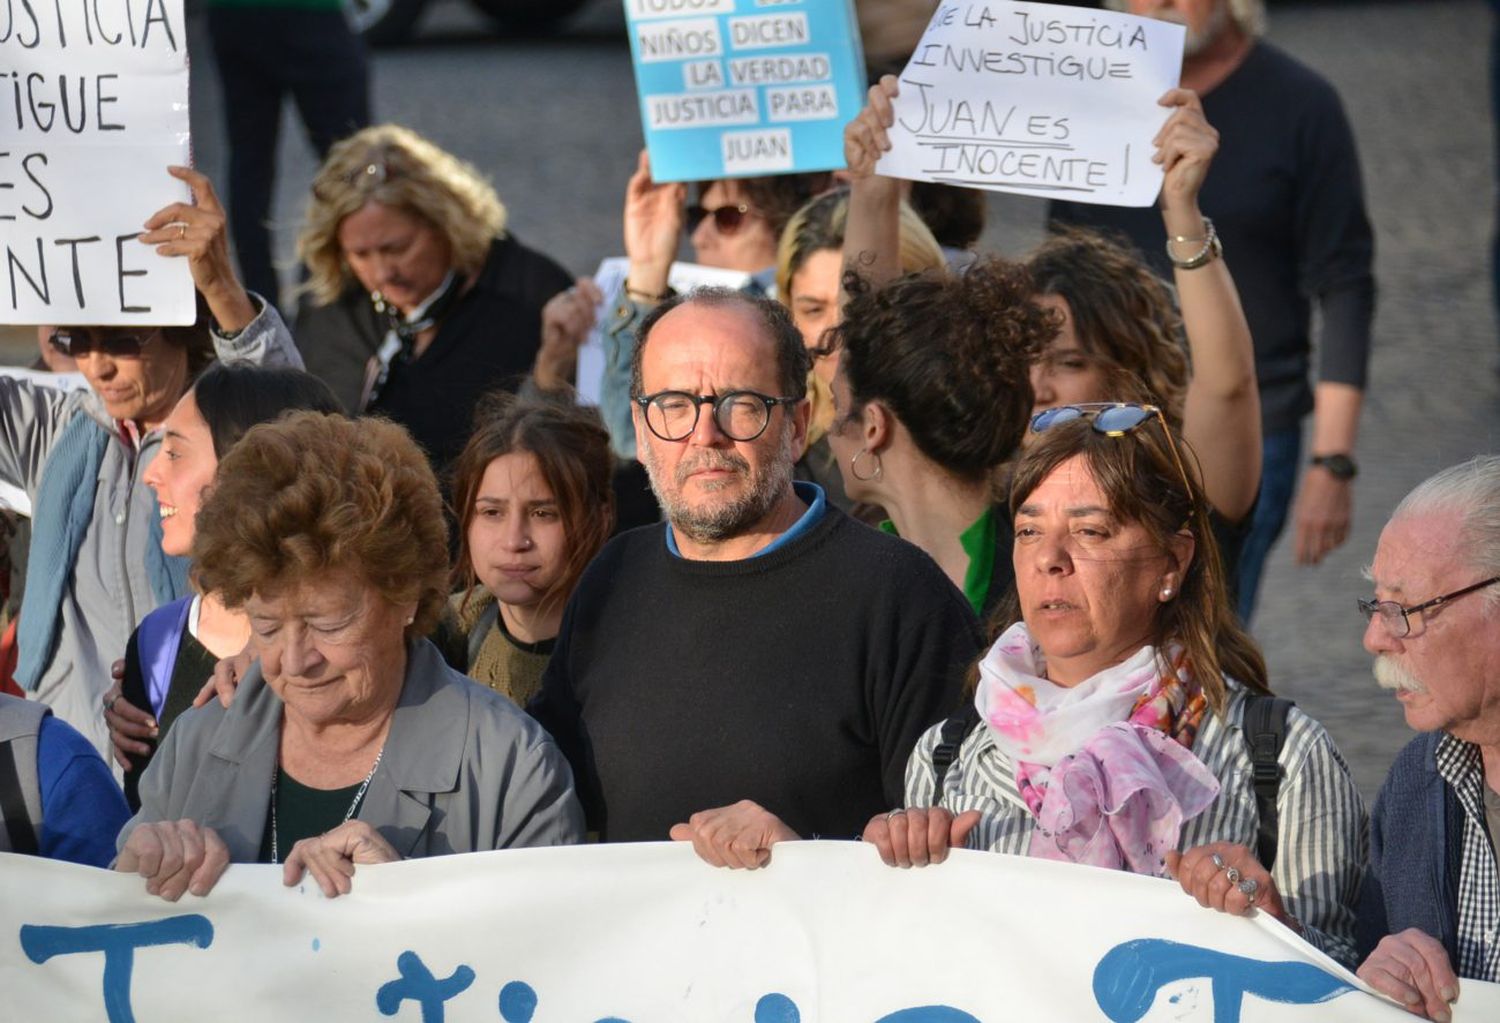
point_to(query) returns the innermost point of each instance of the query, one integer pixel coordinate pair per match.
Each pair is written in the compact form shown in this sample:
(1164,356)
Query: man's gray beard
(1196,42)
(1390,675)
(725,521)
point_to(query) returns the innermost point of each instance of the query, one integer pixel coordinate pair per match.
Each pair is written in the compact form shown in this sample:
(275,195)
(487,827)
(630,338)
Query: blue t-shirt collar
(817,504)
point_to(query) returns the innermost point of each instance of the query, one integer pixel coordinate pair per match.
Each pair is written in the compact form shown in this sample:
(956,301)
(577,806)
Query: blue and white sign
(745,88)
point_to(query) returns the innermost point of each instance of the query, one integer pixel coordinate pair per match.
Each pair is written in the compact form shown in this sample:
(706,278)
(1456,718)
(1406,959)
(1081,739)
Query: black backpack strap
(955,730)
(1264,729)
(18,823)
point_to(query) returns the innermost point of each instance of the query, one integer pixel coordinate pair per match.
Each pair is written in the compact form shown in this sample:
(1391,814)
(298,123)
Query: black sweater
(800,679)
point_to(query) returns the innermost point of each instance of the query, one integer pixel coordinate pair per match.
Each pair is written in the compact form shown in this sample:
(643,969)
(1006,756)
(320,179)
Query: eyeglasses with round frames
(1395,616)
(76,344)
(728,219)
(739,415)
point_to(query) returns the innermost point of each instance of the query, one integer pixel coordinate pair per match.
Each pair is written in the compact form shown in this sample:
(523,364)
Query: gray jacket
(109,591)
(464,770)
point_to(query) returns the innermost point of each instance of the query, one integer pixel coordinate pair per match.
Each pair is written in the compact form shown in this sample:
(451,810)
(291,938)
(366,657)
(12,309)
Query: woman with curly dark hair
(930,398)
(1120,334)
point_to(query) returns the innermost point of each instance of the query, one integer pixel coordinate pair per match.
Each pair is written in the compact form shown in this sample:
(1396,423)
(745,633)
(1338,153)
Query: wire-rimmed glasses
(1395,616)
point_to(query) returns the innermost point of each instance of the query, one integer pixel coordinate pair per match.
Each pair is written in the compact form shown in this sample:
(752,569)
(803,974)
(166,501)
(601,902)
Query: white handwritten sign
(742,88)
(1038,99)
(93,108)
(649,934)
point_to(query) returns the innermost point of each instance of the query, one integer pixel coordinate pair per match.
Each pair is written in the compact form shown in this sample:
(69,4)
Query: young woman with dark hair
(173,651)
(534,504)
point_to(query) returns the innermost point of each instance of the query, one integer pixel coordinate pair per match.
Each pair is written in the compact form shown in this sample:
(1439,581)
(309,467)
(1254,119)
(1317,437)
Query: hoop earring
(854,466)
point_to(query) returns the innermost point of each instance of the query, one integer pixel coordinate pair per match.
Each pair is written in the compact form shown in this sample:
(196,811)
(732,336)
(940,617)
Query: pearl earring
(1166,593)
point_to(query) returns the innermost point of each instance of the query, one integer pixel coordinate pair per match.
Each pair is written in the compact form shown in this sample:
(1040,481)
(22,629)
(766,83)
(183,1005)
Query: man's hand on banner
(1413,968)
(738,836)
(916,836)
(174,857)
(331,857)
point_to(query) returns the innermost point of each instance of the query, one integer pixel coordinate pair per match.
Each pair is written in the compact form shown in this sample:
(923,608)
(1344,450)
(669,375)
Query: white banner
(93,108)
(1038,99)
(649,934)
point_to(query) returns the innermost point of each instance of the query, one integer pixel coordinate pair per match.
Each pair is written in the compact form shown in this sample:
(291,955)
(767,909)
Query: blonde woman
(809,271)
(418,299)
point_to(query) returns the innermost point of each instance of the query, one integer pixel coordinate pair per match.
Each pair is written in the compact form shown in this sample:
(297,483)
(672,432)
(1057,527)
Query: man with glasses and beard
(95,564)
(758,667)
(1430,909)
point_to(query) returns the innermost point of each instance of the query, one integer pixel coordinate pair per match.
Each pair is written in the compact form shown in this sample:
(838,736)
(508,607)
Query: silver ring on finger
(895,812)
(1248,887)
(1218,861)
(1233,876)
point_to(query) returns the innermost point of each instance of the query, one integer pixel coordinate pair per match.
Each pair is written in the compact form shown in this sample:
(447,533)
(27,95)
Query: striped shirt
(1322,832)
(1462,767)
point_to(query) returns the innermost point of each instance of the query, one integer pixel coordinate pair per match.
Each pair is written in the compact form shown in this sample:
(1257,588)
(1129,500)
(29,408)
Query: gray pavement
(552,120)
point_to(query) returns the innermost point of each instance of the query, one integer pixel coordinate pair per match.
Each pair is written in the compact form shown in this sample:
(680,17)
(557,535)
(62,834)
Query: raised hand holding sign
(95,107)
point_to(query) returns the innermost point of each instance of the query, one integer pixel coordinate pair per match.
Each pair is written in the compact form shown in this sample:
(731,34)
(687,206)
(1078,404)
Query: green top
(304,812)
(978,542)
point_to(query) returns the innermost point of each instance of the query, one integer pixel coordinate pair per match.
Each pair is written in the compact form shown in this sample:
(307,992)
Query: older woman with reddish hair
(350,741)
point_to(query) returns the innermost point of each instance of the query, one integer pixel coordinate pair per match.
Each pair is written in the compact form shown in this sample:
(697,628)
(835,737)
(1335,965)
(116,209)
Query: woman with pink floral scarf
(1109,715)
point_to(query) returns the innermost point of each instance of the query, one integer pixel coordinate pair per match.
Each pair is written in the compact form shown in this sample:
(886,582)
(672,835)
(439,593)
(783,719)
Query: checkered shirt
(1461,766)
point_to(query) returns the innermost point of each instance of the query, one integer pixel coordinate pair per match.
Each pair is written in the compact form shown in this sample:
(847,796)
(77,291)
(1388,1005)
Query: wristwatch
(1340,467)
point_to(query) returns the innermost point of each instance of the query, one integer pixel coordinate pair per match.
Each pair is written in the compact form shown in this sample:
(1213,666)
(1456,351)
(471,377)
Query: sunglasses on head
(727,219)
(1114,419)
(76,343)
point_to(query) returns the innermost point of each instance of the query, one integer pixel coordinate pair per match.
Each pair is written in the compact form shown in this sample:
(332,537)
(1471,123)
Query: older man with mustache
(759,666)
(1430,909)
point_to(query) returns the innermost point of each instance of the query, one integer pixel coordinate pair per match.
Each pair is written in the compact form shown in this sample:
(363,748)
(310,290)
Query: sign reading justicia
(93,109)
(738,88)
